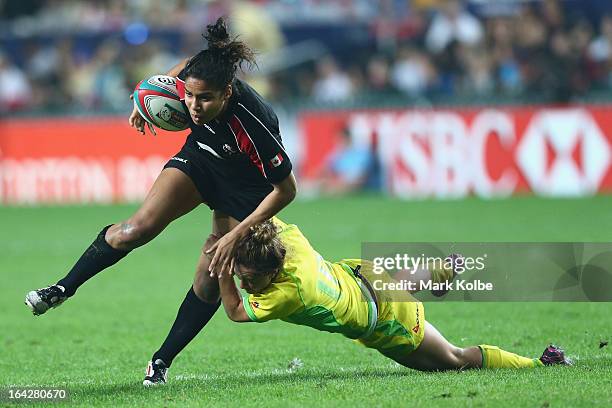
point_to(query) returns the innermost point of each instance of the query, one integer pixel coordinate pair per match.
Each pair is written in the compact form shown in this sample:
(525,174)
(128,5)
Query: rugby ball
(157,100)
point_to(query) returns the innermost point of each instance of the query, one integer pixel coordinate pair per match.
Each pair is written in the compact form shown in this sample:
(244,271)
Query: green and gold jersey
(311,291)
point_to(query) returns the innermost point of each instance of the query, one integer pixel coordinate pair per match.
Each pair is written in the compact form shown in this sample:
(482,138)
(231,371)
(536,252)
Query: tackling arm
(231,299)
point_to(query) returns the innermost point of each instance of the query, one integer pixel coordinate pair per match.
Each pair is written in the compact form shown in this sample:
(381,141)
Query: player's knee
(133,233)
(210,241)
(459,358)
(205,287)
(207,294)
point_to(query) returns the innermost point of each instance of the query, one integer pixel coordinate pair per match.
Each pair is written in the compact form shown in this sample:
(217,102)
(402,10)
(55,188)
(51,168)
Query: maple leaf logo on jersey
(276,160)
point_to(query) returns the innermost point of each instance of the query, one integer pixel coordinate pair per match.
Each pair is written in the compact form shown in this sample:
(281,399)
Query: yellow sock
(494,357)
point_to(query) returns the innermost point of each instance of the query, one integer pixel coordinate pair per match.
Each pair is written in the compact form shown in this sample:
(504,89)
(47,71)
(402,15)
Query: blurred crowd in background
(61,55)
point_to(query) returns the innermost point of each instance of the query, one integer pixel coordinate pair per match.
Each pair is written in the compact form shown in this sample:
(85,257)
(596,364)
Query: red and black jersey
(248,127)
(236,158)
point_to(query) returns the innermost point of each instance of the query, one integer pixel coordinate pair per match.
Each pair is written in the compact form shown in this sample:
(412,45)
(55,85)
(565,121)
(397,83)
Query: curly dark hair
(217,64)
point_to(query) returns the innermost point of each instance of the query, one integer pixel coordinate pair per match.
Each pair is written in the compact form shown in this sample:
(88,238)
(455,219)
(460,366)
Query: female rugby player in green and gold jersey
(286,279)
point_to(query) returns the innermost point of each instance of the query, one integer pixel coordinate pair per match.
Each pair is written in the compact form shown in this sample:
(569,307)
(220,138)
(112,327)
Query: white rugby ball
(157,100)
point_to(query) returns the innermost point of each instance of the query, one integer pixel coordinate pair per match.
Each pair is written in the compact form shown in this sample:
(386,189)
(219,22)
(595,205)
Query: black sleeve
(262,128)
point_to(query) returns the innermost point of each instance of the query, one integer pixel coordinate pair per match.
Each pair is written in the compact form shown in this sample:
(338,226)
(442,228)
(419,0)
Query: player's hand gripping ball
(157,100)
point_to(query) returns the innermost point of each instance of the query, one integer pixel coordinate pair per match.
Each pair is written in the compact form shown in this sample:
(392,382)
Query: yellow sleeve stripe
(249,309)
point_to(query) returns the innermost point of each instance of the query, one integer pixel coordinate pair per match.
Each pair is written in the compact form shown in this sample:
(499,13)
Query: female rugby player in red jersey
(233,161)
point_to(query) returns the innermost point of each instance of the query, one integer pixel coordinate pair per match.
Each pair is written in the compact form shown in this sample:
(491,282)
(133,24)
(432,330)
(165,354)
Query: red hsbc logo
(438,154)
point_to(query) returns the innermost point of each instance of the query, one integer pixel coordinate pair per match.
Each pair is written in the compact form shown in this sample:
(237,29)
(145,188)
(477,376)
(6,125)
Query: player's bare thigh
(172,195)
(205,287)
(436,353)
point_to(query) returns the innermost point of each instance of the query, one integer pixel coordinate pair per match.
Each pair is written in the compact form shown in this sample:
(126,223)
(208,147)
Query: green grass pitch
(97,344)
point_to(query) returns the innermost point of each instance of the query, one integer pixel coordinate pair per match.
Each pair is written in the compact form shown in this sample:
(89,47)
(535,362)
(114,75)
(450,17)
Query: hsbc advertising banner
(484,152)
(419,153)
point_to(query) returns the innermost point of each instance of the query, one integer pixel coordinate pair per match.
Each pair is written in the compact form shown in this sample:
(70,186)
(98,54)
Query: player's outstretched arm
(230,296)
(231,299)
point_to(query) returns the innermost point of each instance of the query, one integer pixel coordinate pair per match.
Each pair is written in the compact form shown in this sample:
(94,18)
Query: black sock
(99,256)
(190,319)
